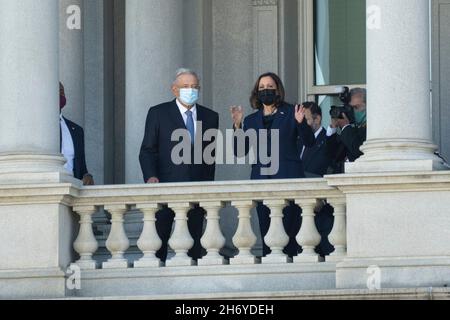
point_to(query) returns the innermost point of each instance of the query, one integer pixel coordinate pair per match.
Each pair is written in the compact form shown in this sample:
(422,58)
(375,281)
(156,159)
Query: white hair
(182,71)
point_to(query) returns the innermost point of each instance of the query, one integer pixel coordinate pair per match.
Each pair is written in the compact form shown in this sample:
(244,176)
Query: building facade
(316,46)
(118,58)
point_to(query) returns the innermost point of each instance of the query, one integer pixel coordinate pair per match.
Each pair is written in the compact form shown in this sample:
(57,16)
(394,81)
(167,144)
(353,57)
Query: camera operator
(348,129)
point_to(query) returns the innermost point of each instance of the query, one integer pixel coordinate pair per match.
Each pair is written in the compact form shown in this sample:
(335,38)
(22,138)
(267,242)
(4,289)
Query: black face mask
(268,96)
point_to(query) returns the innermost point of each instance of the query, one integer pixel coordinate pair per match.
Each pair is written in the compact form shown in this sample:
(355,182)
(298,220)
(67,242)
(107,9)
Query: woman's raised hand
(299,113)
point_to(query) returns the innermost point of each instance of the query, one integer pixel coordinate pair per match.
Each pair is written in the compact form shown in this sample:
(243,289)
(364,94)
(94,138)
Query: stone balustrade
(212,197)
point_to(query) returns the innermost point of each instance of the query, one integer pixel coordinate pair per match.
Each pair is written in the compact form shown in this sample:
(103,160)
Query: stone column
(29,102)
(154,50)
(37,232)
(398,82)
(396,221)
(71,63)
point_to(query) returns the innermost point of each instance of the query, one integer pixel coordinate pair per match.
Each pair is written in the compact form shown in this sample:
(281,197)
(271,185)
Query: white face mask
(189,96)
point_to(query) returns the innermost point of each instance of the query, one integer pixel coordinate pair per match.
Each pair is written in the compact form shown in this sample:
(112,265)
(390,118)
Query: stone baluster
(308,237)
(149,242)
(213,240)
(117,242)
(276,238)
(338,236)
(181,240)
(86,244)
(245,238)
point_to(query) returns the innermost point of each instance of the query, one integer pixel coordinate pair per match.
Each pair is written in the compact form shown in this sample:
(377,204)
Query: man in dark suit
(346,146)
(72,144)
(156,151)
(316,161)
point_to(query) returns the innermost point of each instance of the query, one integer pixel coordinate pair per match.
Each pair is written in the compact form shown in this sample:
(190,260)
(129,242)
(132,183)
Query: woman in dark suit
(273,113)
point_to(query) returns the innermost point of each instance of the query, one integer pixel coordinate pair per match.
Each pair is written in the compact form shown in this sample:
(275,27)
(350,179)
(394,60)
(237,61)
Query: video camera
(337,112)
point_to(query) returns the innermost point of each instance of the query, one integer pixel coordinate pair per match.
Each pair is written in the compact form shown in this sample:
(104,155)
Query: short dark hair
(254,101)
(313,107)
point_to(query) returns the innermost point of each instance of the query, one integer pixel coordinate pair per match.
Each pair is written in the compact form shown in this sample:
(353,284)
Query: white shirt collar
(318,132)
(183,109)
(67,146)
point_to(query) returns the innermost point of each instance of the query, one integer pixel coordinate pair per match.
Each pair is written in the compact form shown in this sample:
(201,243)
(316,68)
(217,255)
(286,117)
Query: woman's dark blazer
(291,136)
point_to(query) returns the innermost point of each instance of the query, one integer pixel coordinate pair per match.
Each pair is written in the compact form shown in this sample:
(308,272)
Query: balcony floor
(383,294)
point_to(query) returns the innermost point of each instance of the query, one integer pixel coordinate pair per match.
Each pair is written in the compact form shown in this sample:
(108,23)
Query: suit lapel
(176,116)
(72,129)
(259,119)
(76,146)
(279,117)
(201,117)
(310,152)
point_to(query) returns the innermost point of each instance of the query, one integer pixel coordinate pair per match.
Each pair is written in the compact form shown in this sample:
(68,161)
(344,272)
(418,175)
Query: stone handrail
(212,197)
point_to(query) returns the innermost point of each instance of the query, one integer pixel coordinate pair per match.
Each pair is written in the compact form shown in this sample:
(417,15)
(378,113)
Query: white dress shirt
(67,147)
(183,110)
(316,135)
(332,131)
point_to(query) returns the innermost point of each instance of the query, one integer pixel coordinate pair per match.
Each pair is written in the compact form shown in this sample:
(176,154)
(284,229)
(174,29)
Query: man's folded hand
(153,180)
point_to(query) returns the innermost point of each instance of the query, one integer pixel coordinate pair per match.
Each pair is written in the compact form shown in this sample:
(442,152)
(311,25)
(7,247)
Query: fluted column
(154,50)
(29,102)
(86,244)
(181,240)
(276,238)
(398,83)
(149,242)
(213,240)
(117,242)
(245,238)
(308,237)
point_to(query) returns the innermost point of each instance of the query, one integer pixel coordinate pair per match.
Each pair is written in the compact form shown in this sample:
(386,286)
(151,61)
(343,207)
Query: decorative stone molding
(265,36)
(261,3)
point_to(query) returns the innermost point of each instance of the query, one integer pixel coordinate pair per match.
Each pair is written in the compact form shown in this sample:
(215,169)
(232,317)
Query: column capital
(88,209)
(276,203)
(148,206)
(243,204)
(116,208)
(306,203)
(175,206)
(212,204)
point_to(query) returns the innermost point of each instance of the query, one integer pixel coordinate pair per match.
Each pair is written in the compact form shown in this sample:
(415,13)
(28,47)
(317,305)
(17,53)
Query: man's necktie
(190,125)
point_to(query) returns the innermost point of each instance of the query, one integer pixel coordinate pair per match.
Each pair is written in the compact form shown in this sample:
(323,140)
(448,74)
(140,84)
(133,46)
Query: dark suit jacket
(155,156)
(316,159)
(353,138)
(346,146)
(291,136)
(79,162)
